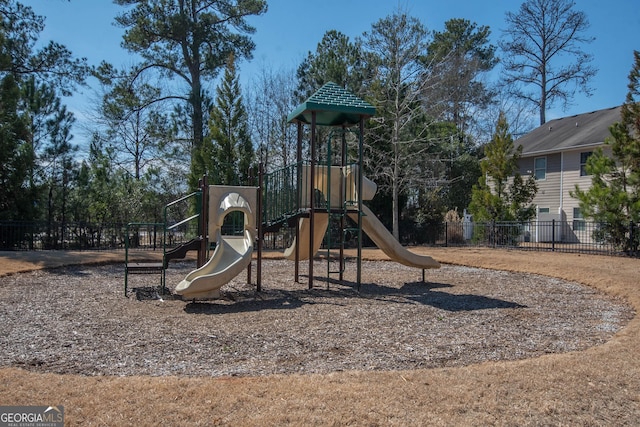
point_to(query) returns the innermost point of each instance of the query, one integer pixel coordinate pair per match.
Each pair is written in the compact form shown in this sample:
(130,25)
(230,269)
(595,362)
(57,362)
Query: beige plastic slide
(370,223)
(233,253)
(320,222)
(388,244)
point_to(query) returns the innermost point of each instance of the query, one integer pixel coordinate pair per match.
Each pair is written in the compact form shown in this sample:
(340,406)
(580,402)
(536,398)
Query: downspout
(561,208)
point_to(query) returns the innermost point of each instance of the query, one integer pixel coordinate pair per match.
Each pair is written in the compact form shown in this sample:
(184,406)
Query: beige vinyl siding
(572,177)
(575,135)
(557,181)
(548,195)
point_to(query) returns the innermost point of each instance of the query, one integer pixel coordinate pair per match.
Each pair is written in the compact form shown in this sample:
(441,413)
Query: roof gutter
(553,151)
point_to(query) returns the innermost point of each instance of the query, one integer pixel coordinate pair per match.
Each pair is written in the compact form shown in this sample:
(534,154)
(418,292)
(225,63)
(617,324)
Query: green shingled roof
(334,106)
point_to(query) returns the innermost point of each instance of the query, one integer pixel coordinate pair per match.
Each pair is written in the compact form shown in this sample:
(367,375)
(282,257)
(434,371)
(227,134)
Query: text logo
(31,416)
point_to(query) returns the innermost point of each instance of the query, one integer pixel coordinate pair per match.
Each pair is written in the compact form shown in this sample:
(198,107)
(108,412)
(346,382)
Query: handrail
(183,198)
(167,228)
(280,193)
(195,194)
(171,227)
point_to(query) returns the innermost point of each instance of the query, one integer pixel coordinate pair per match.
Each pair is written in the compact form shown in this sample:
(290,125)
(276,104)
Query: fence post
(493,234)
(553,235)
(446,234)
(631,240)
(32,236)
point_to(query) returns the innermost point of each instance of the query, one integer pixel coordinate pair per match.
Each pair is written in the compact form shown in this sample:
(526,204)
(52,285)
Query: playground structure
(314,194)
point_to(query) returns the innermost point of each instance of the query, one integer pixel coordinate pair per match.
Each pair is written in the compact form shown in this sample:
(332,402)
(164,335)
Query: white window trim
(590,153)
(535,170)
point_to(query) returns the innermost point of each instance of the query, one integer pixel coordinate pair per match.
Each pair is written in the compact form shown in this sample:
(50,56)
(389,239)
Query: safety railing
(280,194)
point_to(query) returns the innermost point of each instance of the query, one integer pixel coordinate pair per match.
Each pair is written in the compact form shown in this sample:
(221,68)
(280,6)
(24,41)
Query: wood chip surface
(75,320)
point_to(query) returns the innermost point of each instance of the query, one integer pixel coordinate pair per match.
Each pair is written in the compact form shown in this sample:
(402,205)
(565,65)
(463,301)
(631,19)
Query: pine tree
(501,193)
(228,152)
(16,157)
(33,74)
(613,200)
(459,56)
(188,41)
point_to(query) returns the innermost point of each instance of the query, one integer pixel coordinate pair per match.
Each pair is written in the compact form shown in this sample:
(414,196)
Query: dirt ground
(470,347)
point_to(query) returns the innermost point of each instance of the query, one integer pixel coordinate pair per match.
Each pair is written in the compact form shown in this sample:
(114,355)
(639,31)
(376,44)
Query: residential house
(556,154)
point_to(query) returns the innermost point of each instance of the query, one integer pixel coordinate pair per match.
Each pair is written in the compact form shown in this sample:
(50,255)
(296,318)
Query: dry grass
(597,386)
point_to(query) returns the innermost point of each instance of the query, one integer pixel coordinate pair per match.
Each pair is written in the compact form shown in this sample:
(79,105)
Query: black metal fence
(42,235)
(578,236)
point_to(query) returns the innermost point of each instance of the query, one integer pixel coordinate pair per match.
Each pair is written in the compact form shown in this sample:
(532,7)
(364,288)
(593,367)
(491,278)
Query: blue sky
(291,28)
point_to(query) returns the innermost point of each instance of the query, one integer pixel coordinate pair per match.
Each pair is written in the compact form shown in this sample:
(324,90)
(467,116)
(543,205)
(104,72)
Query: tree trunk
(396,211)
(543,97)
(197,168)
(395,191)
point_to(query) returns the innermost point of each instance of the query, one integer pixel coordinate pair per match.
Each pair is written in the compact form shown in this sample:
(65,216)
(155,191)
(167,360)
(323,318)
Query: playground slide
(231,256)
(321,221)
(232,253)
(388,244)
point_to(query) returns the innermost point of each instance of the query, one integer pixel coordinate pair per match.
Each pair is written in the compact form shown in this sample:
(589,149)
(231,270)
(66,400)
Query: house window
(543,210)
(540,168)
(579,223)
(583,162)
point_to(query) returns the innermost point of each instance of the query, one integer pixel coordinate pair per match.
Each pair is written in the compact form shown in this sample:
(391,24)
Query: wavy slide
(231,256)
(232,253)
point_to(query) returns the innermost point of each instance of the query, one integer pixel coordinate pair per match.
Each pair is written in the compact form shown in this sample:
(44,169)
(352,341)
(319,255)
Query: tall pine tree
(228,151)
(32,76)
(188,41)
(501,193)
(16,156)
